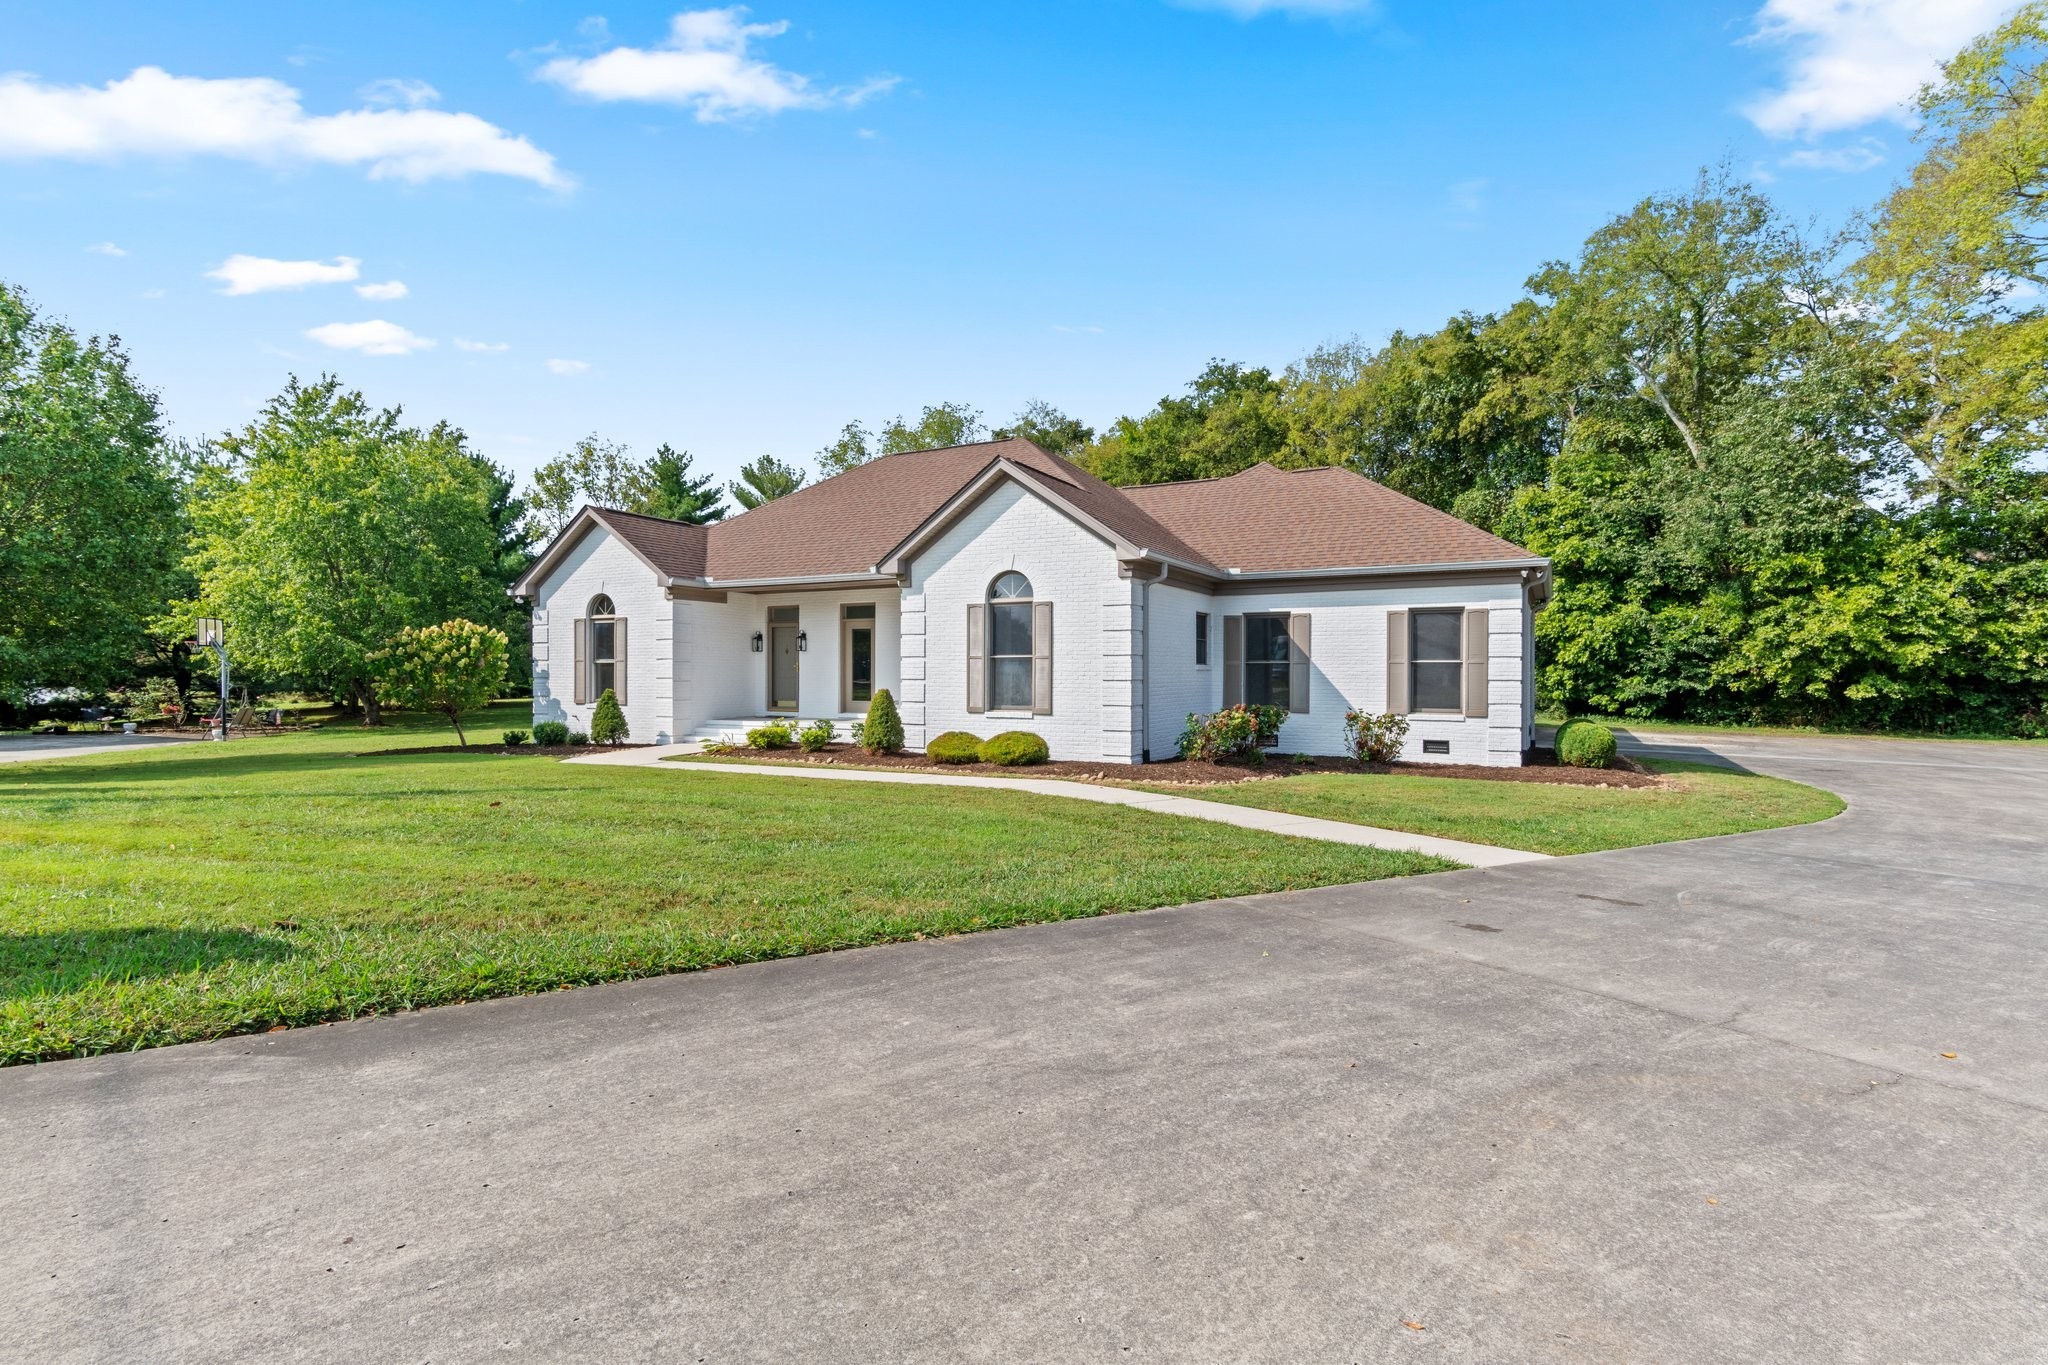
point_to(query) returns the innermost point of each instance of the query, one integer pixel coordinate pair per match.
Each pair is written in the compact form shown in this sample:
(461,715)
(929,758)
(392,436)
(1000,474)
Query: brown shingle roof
(1262,520)
(674,547)
(1266,520)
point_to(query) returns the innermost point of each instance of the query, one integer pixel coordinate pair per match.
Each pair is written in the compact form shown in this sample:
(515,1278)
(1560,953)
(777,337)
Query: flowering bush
(1374,739)
(1233,732)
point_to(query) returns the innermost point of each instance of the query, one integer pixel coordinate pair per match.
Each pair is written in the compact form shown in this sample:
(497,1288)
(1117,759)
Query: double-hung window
(1437,660)
(1268,661)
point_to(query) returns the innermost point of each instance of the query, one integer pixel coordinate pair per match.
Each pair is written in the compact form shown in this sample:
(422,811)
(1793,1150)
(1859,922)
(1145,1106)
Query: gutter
(1260,575)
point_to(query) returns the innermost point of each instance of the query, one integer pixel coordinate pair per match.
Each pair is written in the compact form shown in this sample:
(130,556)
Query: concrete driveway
(36,748)
(1687,1103)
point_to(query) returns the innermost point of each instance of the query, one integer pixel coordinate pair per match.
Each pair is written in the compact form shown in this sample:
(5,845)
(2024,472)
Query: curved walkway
(1244,817)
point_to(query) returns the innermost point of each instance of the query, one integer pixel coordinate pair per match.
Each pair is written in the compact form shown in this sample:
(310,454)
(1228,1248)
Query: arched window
(607,646)
(1010,652)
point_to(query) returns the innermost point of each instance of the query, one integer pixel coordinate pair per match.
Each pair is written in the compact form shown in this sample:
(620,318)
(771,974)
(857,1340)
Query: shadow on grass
(36,964)
(26,779)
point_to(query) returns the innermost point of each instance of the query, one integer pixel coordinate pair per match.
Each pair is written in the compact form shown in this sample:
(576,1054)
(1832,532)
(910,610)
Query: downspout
(1145,663)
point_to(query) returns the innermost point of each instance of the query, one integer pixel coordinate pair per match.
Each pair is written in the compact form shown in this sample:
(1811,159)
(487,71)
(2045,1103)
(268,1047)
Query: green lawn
(199,890)
(1542,817)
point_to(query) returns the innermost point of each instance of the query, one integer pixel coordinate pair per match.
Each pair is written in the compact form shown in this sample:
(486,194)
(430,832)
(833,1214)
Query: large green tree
(90,518)
(1230,419)
(331,526)
(1051,429)
(763,481)
(674,490)
(939,424)
(593,472)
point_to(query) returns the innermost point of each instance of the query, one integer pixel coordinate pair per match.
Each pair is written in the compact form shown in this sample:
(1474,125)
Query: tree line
(1783,477)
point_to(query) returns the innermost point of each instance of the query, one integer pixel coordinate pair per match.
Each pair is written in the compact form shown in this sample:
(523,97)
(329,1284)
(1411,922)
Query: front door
(781,668)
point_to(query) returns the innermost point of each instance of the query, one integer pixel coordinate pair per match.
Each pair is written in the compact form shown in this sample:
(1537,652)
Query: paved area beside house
(1687,1103)
(1245,817)
(37,748)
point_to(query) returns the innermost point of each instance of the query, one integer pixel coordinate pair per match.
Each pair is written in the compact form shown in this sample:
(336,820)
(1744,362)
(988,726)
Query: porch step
(733,729)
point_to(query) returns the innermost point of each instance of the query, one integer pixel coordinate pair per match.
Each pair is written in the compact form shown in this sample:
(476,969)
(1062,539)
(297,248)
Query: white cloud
(262,275)
(481,347)
(1856,61)
(1858,156)
(1293,9)
(397,93)
(1469,196)
(152,293)
(371,338)
(106,249)
(568,366)
(153,113)
(704,65)
(390,289)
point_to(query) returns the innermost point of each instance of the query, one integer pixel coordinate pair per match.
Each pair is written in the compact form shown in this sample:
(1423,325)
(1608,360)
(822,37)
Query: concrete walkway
(1244,817)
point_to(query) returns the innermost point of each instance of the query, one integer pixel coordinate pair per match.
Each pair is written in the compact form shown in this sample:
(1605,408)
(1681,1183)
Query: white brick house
(998,587)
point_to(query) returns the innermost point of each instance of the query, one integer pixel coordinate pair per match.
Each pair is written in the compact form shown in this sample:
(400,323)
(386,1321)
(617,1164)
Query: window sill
(1011,715)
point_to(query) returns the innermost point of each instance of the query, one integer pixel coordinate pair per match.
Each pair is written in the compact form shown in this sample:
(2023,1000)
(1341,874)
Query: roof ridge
(1220,478)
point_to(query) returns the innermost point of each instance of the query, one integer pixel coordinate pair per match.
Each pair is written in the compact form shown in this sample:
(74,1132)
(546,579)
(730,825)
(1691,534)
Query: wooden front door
(782,668)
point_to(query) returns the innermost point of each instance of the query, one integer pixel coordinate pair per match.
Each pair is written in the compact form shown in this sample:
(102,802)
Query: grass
(193,891)
(1543,817)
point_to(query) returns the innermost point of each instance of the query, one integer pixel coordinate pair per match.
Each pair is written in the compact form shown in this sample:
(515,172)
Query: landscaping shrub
(1232,732)
(1014,749)
(1370,738)
(1583,744)
(955,746)
(576,737)
(776,734)
(815,736)
(608,722)
(514,738)
(451,668)
(882,731)
(550,732)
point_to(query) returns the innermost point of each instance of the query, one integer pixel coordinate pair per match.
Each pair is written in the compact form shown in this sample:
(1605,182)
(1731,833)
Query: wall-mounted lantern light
(803,642)
(757,642)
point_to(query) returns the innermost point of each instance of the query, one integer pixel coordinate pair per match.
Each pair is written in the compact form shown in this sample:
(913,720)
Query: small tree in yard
(882,732)
(608,722)
(454,667)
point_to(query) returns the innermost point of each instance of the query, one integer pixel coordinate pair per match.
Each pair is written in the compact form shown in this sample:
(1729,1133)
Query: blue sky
(736,231)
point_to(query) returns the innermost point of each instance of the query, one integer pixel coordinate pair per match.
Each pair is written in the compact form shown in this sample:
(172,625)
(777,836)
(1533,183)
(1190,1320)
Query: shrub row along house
(996,586)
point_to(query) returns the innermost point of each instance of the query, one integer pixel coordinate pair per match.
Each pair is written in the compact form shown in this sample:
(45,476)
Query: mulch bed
(531,750)
(1540,765)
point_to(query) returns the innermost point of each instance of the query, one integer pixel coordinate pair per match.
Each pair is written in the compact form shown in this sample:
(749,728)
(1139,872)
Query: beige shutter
(580,693)
(1233,660)
(619,658)
(1041,658)
(1398,677)
(1297,665)
(1477,649)
(977,657)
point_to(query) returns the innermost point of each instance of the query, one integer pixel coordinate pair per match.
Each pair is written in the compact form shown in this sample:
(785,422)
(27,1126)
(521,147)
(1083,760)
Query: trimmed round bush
(1014,749)
(955,746)
(1583,744)
(550,732)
